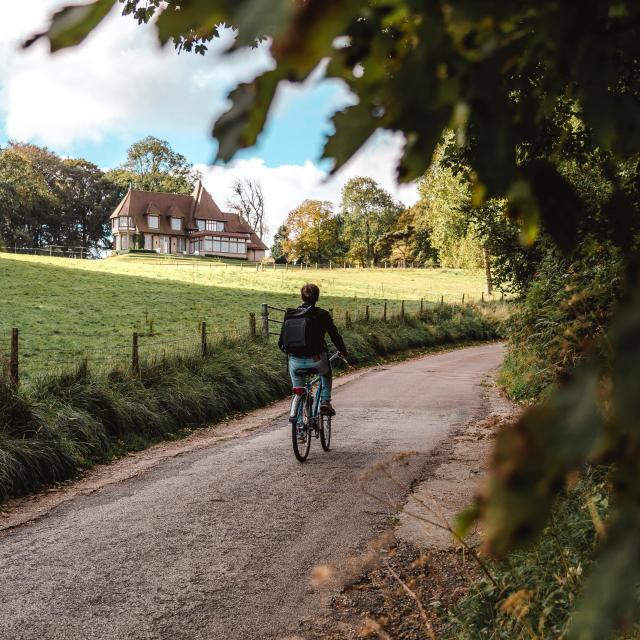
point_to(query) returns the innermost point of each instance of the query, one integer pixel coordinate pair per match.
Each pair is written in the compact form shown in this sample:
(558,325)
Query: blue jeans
(321,363)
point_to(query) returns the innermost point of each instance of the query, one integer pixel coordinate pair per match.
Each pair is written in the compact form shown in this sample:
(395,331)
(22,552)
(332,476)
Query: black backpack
(296,330)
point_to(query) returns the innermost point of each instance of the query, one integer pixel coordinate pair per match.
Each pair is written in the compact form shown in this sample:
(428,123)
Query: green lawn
(66,309)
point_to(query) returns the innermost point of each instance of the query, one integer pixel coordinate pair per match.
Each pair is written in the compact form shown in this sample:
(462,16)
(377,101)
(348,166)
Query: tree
(26,202)
(88,200)
(247,200)
(369,212)
(444,204)
(277,248)
(311,232)
(152,165)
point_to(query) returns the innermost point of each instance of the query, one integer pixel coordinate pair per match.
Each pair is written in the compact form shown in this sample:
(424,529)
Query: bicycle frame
(302,397)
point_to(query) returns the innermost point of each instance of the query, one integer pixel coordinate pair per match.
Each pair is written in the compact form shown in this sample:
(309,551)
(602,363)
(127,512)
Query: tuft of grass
(537,587)
(63,423)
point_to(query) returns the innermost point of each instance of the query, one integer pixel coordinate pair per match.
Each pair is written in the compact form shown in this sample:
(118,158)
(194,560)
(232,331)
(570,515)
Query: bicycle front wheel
(325,431)
(301,431)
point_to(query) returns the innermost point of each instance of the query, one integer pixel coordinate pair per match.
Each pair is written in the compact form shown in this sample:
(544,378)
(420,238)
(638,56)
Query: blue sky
(294,134)
(95,100)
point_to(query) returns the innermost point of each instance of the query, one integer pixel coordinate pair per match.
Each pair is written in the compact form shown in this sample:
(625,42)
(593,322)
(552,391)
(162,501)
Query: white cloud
(287,186)
(117,82)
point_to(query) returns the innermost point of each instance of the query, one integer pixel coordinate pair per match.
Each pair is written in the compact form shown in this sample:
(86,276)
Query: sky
(118,86)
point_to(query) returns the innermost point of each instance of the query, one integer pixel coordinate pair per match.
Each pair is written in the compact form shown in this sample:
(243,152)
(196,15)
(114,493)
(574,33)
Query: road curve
(219,543)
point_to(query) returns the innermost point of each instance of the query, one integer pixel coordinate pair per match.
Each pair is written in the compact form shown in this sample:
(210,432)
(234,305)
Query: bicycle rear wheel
(325,431)
(301,431)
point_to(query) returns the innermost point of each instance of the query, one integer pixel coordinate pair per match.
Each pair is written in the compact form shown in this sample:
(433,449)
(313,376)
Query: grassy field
(67,309)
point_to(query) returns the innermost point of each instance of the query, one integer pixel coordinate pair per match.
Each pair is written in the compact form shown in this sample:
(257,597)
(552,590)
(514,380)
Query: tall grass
(536,589)
(60,424)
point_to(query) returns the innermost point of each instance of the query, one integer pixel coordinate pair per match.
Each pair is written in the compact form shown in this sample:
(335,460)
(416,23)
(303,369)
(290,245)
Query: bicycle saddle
(306,372)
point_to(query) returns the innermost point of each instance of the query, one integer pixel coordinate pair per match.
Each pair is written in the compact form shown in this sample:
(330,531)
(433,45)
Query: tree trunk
(487,269)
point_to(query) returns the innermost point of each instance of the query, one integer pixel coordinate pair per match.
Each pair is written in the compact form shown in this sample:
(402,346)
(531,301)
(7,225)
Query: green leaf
(354,125)
(73,24)
(240,126)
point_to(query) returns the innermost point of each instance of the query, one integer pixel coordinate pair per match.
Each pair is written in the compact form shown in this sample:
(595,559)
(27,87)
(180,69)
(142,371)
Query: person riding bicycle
(302,338)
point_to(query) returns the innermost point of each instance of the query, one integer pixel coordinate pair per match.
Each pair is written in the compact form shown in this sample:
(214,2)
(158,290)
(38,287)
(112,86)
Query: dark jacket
(322,323)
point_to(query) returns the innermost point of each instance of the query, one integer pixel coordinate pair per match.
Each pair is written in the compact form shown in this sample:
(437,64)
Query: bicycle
(305,417)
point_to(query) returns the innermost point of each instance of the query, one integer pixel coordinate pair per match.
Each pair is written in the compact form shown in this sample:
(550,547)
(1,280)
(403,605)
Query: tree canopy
(152,165)
(369,212)
(311,232)
(46,200)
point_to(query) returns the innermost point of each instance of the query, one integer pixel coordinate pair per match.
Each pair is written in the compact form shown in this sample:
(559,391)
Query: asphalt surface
(220,543)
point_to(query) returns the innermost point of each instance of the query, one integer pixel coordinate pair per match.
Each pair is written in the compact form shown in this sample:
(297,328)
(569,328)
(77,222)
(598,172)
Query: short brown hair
(310,293)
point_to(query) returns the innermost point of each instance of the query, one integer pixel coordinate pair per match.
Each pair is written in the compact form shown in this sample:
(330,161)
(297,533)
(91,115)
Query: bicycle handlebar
(337,354)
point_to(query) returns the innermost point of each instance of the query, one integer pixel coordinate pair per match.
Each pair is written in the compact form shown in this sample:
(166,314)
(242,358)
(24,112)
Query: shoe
(326,408)
(301,434)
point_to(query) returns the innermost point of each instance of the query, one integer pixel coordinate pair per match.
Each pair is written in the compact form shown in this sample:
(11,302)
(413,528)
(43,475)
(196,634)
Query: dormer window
(176,224)
(154,222)
(125,222)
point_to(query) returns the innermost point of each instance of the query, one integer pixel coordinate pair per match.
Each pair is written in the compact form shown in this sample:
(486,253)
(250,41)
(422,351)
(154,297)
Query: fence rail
(57,251)
(19,361)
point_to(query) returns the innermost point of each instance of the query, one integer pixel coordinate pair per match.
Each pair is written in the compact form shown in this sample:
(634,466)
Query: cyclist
(303,338)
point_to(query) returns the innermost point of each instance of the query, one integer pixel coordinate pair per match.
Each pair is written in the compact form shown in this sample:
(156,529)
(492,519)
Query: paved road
(219,543)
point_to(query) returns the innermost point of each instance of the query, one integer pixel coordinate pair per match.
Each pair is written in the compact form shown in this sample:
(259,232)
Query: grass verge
(52,429)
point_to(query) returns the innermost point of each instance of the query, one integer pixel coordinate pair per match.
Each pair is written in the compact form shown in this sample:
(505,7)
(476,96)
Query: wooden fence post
(366,313)
(135,355)
(482,298)
(421,307)
(402,310)
(203,339)
(384,312)
(252,325)
(14,361)
(265,321)
(442,300)
(347,319)
(463,298)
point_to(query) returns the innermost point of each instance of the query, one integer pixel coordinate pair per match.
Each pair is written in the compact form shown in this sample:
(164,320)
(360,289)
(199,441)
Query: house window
(154,222)
(124,242)
(125,222)
(114,223)
(176,224)
(148,241)
(182,243)
(216,245)
(214,225)
(201,224)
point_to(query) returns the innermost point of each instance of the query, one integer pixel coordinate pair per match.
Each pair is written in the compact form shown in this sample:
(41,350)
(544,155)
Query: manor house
(180,224)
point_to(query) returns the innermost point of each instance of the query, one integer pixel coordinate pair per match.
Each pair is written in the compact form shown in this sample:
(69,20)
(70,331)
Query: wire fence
(28,355)
(57,251)
(178,260)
